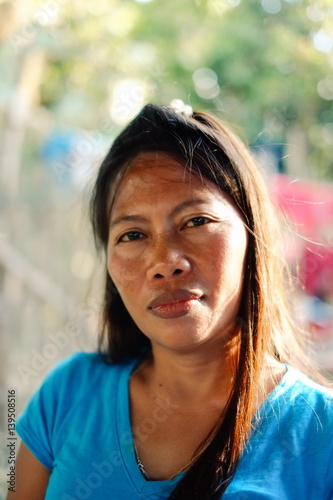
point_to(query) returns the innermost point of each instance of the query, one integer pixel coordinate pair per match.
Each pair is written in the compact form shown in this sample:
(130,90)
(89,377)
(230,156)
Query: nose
(167,261)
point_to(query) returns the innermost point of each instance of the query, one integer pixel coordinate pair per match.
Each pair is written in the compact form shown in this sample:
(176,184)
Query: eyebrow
(175,211)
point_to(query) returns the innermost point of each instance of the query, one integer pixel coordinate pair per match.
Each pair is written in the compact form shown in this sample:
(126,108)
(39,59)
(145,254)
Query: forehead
(155,179)
(152,173)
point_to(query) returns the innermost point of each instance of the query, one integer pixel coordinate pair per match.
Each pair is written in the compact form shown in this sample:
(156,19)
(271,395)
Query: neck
(191,378)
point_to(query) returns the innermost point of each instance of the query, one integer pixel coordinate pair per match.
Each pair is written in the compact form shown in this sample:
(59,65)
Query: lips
(174,304)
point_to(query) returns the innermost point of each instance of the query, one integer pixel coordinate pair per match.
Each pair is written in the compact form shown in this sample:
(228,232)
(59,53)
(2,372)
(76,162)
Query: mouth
(174,304)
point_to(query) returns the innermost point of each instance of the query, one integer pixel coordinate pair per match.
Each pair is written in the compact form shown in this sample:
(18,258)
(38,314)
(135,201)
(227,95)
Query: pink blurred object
(309,207)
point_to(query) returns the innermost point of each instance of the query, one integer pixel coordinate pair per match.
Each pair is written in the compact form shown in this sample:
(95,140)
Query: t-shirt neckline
(125,433)
(126,439)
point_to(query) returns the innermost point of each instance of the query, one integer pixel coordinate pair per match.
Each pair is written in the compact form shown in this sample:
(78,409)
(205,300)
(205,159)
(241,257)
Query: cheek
(227,255)
(123,272)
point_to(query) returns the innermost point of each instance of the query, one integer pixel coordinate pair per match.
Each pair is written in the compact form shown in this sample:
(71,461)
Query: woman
(196,392)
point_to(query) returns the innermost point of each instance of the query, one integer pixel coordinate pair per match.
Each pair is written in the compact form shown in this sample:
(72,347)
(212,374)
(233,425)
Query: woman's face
(176,253)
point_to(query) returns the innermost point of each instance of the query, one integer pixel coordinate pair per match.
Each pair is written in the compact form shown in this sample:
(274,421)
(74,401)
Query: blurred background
(74,72)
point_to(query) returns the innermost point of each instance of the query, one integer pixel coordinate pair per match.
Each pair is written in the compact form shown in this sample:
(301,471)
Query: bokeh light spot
(325,88)
(206,83)
(323,41)
(128,97)
(271,6)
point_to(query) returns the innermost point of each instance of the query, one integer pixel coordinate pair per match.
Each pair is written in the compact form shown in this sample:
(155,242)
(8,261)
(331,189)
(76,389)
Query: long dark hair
(206,147)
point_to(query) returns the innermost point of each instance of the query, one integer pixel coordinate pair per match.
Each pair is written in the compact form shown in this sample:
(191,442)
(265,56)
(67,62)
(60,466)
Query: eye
(197,221)
(131,236)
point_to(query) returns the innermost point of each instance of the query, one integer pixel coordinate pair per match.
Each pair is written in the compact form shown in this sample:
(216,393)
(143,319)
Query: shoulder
(82,361)
(74,380)
(84,366)
(298,405)
(63,403)
(289,454)
(298,393)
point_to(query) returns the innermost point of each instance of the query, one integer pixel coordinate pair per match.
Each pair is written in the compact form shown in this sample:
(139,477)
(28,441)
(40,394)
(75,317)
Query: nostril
(158,275)
(177,271)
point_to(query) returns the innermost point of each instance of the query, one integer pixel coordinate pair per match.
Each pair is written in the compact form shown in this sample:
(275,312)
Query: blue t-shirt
(78,426)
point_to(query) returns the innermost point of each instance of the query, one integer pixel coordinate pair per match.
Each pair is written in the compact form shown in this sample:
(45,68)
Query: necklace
(183,469)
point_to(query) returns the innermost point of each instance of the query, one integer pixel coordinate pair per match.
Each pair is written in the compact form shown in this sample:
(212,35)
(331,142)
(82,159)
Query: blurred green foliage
(264,65)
